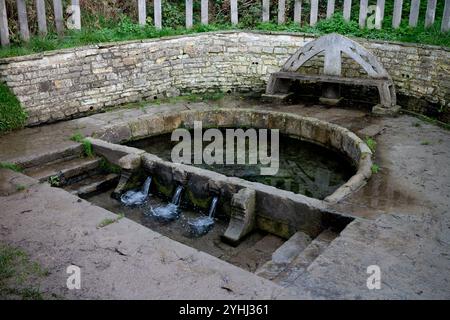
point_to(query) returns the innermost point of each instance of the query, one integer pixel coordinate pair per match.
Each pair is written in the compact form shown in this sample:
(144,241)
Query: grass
(372,144)
(425,143)
(107,221)
(10,166)
(54,181)
(21,187)
(125,29)
(375,168)
(17,272)
(12,116)
(87,145)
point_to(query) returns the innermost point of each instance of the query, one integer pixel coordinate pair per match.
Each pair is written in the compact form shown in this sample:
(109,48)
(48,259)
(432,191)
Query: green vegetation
(107,221)
(54,181)
(425,143)
(87,145)
(17,272)
(375,168)
(108,167)
(426,119)
(77,137)
(21,187)
(10,166)
(12,116)
(101,27)
(372,144)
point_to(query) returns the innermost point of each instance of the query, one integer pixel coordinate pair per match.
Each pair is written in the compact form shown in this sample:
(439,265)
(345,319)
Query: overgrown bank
(12,115)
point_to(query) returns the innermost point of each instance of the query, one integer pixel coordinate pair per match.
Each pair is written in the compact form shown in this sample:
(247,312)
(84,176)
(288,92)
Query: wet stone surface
(254,251)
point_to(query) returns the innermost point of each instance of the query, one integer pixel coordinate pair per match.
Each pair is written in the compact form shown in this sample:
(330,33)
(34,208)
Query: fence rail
(74,11)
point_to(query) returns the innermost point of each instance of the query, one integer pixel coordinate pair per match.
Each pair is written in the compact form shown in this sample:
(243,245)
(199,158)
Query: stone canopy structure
(332,46)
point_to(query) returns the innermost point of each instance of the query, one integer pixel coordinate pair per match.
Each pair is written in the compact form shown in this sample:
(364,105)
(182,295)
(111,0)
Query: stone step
(59,155)
(65,170)
(93,185)
(284,255)
(299,265)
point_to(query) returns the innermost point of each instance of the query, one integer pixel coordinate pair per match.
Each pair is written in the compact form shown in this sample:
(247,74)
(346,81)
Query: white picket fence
(74,21)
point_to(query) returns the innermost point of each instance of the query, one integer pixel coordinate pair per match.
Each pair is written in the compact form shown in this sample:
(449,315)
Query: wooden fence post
(189,14)
(266,11)
(363,13)
(204,11)
(234,12)
(379,14)
(142,12)
(347,9)
(76,15)
(23,20)
(330,8)
(298,11)
(157,14)
(41,17)
(4,31)
(314,12)
(446,18)
(430,14)
(281,11)
(58,12)
(414,13)
(397,15)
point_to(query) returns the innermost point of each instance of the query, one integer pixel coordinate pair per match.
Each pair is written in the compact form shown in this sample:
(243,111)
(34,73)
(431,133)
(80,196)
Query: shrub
(12,116)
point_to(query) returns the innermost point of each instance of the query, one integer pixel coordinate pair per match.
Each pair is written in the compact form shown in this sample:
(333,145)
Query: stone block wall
(70,83)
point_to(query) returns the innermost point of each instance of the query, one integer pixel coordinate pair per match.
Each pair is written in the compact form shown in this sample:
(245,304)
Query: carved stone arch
(332,45)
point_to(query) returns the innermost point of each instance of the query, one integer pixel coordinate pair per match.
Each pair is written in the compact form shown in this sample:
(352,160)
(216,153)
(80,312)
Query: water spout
(213,207)
(170,211)
(177,196)
(137,197)
(201,226)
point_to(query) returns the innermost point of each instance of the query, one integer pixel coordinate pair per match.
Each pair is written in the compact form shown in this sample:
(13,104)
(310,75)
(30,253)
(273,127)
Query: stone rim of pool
(295,211)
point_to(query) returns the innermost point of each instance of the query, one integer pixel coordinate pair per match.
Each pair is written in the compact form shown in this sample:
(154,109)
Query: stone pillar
(243,216)
(129,164)
(331,92)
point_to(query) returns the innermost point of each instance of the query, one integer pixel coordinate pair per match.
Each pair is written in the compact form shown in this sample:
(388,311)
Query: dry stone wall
(70,83)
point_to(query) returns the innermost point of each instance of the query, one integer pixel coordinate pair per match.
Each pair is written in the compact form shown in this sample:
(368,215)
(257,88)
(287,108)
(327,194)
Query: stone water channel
(305,168)
(319,171)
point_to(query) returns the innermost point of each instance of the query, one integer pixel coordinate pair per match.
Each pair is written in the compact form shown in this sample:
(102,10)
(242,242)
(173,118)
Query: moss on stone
(163,189)
(202,203)
(278,228)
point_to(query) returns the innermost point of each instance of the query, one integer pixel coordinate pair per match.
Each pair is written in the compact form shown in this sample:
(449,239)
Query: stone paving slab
(123,260)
